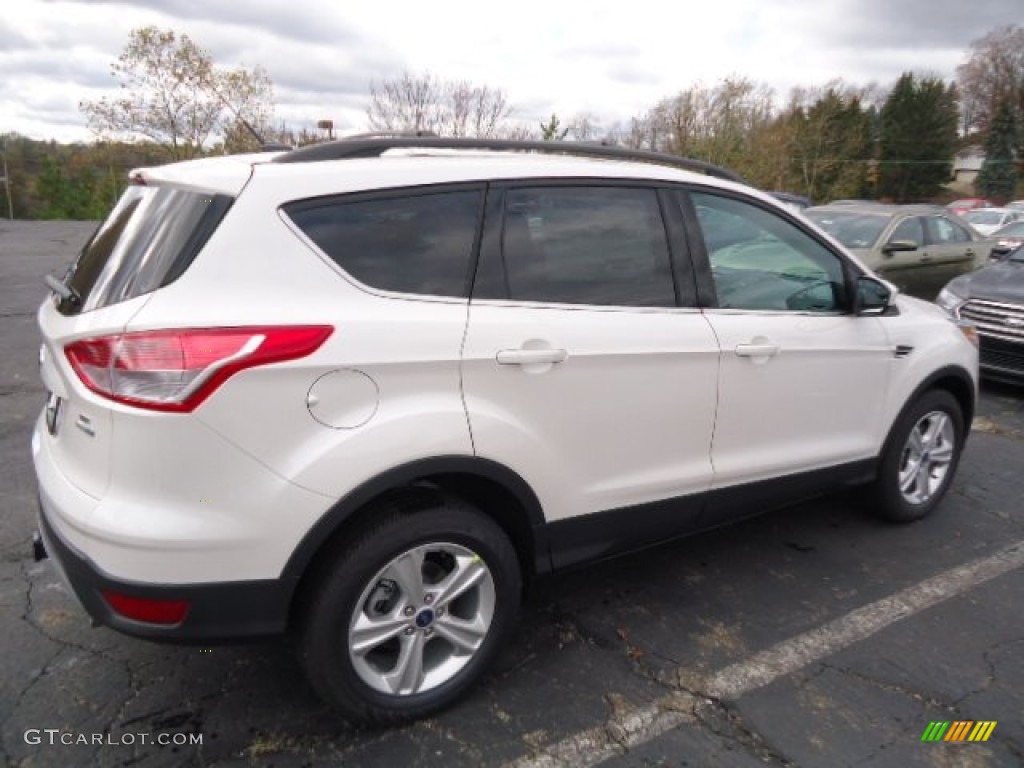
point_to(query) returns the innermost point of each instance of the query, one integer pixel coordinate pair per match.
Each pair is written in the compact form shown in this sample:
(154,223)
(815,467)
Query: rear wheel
(920,459)
(409,615)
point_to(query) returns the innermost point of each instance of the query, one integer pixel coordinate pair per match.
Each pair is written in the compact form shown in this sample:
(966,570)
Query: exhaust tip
(38,547)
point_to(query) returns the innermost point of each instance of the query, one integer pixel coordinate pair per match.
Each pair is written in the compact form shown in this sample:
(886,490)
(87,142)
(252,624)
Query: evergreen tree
(917,141)
(552,130)
(832,145)
(998,176)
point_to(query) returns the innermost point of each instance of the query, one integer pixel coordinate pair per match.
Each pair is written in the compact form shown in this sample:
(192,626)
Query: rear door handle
(531,356)
(757,350)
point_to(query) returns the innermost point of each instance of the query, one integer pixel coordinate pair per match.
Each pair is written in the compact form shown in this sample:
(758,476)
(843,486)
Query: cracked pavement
(608,664)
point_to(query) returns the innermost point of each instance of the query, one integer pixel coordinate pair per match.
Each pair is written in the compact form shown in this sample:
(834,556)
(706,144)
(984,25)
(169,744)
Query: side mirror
(873,296)
(898,246)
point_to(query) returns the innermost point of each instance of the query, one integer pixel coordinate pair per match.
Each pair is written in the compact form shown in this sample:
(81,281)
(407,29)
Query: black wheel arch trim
(947,372)
(405,476)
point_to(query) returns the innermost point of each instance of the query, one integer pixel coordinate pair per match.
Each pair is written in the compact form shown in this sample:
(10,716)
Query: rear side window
(147,241)
(587,245)
(421,243)
(942,230)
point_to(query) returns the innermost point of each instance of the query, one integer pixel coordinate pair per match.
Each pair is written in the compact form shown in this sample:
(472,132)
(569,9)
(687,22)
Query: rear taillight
(176,370)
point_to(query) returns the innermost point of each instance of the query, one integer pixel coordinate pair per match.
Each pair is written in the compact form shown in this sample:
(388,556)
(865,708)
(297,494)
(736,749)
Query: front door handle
(531,356)
(757,350)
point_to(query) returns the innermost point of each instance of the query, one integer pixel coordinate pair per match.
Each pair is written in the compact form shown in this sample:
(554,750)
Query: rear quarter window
(410,242)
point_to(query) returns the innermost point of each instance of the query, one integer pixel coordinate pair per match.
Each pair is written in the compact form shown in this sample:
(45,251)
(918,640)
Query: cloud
(632,75)
(917,25)
(284,19)
(75,68)
(13,40)
(599,56)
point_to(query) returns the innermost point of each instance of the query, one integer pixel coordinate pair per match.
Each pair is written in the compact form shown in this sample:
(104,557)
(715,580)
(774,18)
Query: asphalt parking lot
(815,636)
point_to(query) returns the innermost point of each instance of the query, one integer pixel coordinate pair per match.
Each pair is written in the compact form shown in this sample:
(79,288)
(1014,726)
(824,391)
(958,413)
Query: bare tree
(446,107)
(992,74)
(711,123)
(174,95)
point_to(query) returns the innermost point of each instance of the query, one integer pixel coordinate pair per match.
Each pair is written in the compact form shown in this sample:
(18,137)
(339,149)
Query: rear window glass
(420,243)
(146,242)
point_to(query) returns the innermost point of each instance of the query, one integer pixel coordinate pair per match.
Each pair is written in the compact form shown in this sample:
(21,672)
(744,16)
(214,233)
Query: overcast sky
(613,59)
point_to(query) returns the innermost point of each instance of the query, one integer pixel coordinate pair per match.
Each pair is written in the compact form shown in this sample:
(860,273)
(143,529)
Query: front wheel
(409,615)
(920,458)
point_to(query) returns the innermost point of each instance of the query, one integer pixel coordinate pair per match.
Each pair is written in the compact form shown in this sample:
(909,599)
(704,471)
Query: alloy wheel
(421,619)
(926,457)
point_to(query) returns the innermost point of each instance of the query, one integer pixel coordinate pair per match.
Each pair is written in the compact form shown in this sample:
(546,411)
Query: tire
(391,632)
(920,459)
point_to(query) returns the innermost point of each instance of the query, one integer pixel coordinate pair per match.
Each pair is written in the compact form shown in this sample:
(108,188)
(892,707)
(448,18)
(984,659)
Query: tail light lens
(146,609)
(176,370)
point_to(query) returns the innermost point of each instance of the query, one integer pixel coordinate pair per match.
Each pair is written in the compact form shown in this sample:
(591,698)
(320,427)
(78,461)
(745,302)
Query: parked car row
(972,264)
(918,248)
(988,220)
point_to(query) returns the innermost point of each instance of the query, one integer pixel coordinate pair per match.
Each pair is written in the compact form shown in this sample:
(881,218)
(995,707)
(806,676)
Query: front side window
(909,231)
(760,261)
(587,245)
(409,243)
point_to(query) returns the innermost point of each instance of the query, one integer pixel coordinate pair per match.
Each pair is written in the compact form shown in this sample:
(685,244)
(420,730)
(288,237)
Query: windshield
(147,241)
(1011,230)
(984,217)
(852,229)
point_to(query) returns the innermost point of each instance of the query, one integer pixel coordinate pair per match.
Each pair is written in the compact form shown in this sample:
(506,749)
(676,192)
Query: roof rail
(389,135)
(374,146)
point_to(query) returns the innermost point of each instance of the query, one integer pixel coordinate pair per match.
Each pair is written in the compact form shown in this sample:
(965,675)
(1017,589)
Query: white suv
(365,391)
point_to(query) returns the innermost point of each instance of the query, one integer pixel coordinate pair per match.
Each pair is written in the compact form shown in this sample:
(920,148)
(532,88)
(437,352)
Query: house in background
(966,165)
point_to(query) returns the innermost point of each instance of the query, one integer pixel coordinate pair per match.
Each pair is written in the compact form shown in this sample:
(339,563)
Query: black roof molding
(375,145)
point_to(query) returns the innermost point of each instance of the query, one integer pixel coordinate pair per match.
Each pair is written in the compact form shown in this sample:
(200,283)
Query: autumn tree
(998,176)
(709,123)
(917,138)
(173,94)
(992,75)
(454,108)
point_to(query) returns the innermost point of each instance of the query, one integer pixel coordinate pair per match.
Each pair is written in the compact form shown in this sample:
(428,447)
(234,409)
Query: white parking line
(629,727)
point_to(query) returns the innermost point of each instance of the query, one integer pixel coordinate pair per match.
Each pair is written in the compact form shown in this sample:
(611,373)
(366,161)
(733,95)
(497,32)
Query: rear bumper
(221,611)
(150,543)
